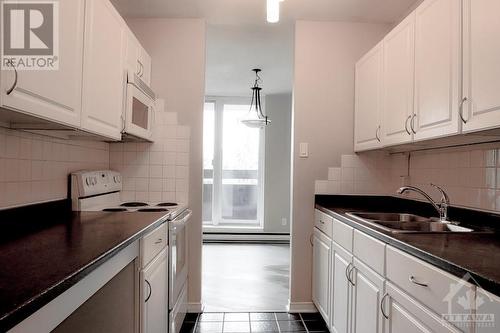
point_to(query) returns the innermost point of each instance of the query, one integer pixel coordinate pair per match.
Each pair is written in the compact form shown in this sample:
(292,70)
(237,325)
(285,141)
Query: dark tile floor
(244,322)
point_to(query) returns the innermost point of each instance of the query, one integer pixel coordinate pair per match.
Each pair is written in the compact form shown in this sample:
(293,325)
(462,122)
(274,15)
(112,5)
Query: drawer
(153,243)
(323,222)
(342,234)
(370,251)
(433,287)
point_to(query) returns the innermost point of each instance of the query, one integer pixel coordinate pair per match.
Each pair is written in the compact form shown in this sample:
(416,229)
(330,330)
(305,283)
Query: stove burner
(166,204)
(152,210)
(134,204)
(114,210)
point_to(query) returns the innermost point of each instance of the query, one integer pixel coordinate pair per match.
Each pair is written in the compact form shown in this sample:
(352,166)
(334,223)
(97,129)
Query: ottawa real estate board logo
(30,35)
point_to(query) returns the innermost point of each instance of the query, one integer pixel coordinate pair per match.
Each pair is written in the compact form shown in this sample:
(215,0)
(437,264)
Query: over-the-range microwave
(139,109)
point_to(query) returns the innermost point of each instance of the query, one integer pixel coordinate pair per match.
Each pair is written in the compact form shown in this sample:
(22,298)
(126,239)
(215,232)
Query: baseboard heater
(261,238)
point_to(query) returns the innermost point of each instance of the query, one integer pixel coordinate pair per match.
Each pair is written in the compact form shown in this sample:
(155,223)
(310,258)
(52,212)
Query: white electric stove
(100,191)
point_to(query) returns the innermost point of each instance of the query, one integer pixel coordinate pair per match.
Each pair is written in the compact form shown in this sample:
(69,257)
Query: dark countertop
(457,253)
(45,249)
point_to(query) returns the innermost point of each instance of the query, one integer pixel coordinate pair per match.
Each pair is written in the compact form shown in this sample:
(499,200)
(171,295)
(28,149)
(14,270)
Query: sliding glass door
(233,159)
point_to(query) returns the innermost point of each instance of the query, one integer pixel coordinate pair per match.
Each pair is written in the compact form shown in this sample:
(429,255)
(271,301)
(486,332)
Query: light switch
(304,150)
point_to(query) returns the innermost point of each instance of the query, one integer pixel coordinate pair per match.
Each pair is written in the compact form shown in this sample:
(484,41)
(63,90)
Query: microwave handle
(153,116)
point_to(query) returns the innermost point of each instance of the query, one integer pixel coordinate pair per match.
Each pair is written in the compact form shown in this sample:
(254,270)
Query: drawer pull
(412,280)
(159,241)
(321,221)
(382,306)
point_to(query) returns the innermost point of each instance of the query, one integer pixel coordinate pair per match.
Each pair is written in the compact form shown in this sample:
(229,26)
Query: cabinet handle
(412,123)
(14,85)
(406,125)
(377,133)
(159,241)
(348,271)
(351,280)
(311,240)
(150,291)
(412,280)
(461,110)
(382,307)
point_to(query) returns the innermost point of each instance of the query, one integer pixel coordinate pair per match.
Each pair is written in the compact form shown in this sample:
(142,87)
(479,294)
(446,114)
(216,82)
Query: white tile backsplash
(470,175)
(155,171)
(35,168)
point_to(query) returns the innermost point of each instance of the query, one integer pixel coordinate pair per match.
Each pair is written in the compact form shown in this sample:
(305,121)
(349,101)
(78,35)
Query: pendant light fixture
(273,11)
(255,117)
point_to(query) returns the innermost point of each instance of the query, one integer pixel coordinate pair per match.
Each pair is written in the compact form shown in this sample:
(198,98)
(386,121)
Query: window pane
(208,156)
(240,167)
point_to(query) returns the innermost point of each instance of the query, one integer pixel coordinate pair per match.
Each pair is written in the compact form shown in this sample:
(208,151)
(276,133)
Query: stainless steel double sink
(408,223)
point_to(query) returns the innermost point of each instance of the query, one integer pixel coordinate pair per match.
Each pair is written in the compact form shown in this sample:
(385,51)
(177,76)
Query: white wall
(177,48)
(325,55)
(278,168)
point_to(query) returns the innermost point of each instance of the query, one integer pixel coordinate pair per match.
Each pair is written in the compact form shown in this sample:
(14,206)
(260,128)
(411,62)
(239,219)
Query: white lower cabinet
(154,314)
(404,314)
(322,248)
(377,288)
(341,290)
(368,290)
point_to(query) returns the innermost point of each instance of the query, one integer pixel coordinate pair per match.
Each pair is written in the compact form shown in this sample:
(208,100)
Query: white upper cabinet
(138,60)
(437,68)
(368,100)
(53,95)
(399,69)
(481,68)
(104,70)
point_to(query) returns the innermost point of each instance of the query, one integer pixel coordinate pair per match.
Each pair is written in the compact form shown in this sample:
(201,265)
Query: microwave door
(139,113)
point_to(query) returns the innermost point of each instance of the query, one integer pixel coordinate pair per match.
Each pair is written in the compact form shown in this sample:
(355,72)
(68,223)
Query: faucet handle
(444,196)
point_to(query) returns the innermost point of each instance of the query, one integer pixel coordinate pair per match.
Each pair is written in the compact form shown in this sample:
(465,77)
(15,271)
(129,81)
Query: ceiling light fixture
(273,11)
(255,117)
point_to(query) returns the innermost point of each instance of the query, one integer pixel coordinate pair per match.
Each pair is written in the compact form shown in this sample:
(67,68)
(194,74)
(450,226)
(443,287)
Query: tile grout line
(303,323)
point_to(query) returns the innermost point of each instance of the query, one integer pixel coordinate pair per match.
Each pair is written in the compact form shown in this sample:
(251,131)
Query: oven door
(178,260)
(139,113)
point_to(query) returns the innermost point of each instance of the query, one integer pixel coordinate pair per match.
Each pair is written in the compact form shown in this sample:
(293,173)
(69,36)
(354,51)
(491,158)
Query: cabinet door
(437,68)
(405,314)
(488,312)
(53,95)
(368,291)
(321,273)
(341,290)
(368,100)
(399,69)
(481,66)
(155,300)
(104,69)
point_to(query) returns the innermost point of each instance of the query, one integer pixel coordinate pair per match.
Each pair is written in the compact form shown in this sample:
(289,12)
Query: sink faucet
(442,207)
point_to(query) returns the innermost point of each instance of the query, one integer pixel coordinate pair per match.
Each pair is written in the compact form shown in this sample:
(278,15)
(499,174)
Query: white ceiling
(239,38)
